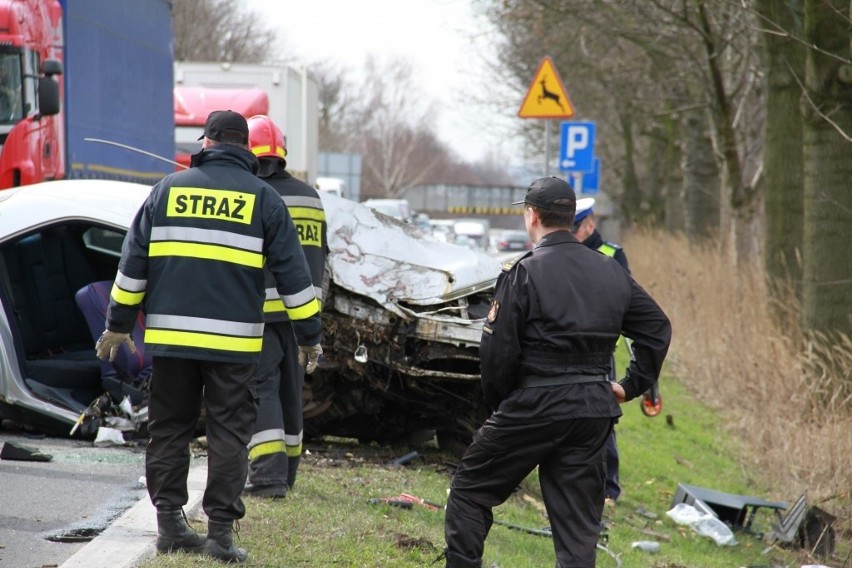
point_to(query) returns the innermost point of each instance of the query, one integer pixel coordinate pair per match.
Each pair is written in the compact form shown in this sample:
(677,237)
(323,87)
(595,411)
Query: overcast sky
(440,37)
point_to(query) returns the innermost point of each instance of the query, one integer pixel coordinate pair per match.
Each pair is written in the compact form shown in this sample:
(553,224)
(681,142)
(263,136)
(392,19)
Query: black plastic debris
(19,452)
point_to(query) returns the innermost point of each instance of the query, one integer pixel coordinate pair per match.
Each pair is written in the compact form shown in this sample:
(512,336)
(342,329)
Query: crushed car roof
(390,261)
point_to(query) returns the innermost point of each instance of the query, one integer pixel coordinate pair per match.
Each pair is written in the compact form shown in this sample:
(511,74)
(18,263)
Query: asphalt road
(50,510)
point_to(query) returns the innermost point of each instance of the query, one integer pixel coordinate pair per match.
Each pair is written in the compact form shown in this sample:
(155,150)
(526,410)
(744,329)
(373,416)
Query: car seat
(128,374)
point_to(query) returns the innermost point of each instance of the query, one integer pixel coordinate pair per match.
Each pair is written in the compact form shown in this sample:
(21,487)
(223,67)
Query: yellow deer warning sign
(547,97)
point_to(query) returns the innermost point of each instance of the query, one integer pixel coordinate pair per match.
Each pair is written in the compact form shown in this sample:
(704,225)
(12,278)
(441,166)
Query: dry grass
(787,396)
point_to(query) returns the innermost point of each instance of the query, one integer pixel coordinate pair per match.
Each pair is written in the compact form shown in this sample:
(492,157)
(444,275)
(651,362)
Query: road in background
(50,510)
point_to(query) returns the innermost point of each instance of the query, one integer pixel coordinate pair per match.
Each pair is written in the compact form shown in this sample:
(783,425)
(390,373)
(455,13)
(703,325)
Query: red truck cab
(31,141)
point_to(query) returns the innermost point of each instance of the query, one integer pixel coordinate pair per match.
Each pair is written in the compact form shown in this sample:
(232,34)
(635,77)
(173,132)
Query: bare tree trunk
(744,245)
(784,196)
(827,285)
(631,197)
(701,193)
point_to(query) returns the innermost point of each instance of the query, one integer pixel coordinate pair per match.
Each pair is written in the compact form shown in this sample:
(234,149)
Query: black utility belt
(528,382)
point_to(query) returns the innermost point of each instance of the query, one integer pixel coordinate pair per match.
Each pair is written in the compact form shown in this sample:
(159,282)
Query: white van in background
(475,229)
(332,185)
(398,208)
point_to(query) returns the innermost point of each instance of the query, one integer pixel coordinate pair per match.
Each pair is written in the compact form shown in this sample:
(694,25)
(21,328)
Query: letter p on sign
(577,147)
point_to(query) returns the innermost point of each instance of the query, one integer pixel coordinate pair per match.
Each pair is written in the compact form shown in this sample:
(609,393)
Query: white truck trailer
(293,105)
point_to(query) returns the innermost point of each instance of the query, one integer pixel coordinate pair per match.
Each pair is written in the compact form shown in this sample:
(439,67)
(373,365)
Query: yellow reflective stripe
(305,311)
(210,252)
(307,213)
(608,250)
(273,305)
(203,340)
(257,150)
(126,298)
(267,448)
(294,451)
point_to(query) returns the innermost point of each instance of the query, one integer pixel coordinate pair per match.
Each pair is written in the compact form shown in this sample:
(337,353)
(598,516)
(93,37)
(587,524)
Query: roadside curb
(129,541)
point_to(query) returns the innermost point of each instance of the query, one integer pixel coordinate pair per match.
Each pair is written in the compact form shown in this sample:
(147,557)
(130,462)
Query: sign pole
(546,148)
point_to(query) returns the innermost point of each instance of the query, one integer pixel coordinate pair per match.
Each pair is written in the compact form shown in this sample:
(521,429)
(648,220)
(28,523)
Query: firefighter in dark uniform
(195,254)
(545,355)
(275,448)
(585,230)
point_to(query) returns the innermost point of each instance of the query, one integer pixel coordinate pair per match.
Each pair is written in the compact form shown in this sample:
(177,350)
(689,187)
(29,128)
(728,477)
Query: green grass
(327,520)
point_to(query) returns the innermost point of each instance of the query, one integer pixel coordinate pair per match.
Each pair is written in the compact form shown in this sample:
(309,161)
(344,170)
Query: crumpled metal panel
(377,256)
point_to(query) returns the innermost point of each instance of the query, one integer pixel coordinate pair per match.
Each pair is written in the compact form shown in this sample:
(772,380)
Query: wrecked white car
(402,320)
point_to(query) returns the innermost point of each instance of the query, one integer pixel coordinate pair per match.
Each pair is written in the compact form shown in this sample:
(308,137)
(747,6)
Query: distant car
(332,185)
(397,208)
(510,241)
(442,230)
(466,241)
(402,318)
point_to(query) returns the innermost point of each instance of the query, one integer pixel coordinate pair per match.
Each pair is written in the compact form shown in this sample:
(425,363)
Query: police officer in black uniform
(586,231)
(195,253)
(275,448)
(545,353)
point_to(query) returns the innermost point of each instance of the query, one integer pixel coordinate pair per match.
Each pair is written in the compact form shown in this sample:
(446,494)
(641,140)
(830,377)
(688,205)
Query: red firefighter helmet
(265,138)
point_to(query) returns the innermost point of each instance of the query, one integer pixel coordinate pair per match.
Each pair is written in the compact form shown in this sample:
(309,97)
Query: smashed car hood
(377,256)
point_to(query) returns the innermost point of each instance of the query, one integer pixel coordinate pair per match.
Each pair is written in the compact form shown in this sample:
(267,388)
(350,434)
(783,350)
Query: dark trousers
(570,456)
(178,388)
(278,430)
(613,484)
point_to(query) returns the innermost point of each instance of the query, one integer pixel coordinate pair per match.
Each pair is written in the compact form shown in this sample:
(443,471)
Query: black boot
(174,533)
(457,560)
(220,543)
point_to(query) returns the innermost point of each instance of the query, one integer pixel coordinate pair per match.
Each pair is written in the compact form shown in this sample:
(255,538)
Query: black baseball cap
(550,193)
(226,126)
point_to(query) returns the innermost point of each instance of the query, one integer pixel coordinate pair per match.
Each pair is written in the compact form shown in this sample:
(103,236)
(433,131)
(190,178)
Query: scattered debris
(544,531)
(406,501)
(737,511)
(406,542)
(642,511)
(392,501)
(650,546)
(657,535)
(108,437)
(704,524)
(19,452)
(76,535)
(402,460)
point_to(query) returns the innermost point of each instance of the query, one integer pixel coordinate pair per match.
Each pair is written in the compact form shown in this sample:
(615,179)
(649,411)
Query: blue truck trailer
(85,69)
(118,86)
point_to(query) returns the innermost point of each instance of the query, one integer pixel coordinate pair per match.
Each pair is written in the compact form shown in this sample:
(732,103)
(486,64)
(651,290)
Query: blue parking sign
(591,180)
(577,148)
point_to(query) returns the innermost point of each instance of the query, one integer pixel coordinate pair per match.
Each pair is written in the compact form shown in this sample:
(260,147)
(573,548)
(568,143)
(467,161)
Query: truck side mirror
(48,96)
(51,67)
